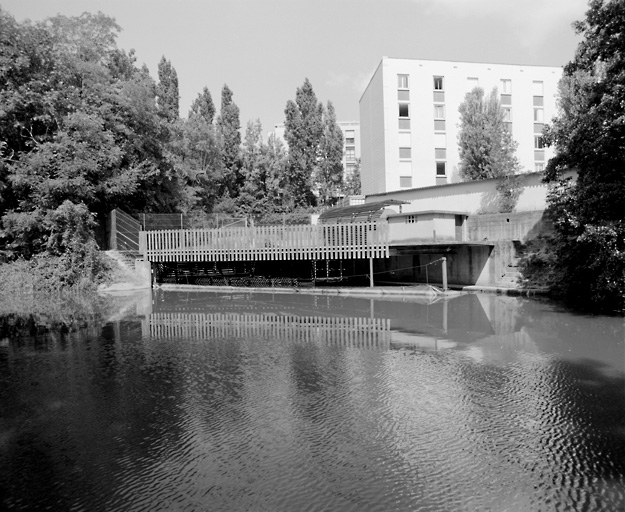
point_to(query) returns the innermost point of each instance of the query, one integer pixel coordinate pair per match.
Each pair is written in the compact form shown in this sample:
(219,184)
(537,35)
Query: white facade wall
(383,164)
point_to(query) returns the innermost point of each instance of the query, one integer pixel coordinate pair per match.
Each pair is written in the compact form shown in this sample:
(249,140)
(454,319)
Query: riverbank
(127,281)
(39,291)
(417,290)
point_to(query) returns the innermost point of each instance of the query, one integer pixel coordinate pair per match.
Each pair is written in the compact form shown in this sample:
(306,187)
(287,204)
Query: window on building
(539,167)
(404,123)
(507,114)
(506,99)
(506,86)
(538,115)
(539,101)
(439,111)
(405,181)
(539,143)
(402,81)
(439,125)
(349,169)
(410,219)
(440,169)
(404,111)
(439,84)
(440,153)
(537,88)
(350,154)
(405,153)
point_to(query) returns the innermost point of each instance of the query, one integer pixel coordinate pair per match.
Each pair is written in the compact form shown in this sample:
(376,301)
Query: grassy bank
(42,291)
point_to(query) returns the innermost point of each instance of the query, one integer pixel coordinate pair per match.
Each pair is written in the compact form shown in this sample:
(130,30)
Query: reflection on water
(243,401)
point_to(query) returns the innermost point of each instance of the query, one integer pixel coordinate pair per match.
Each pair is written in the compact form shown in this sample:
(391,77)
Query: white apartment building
(409,119)
(351,146)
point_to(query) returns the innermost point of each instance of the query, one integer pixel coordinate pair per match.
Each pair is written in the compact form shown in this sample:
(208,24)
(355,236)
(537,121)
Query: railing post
(370,272)
(444,273)
(113,233)
(143,243)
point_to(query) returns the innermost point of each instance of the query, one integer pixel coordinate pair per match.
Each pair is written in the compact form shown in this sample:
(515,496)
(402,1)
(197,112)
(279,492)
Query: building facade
(351,146)
(409,119)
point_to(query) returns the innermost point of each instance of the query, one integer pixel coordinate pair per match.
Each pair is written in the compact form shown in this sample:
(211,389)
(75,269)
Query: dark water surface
(290,402)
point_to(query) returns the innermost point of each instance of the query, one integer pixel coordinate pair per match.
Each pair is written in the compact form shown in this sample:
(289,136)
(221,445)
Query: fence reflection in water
(343,331)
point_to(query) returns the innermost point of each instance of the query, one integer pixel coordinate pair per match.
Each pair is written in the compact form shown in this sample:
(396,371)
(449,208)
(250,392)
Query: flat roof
(358,210)
(445,185)
(429,212)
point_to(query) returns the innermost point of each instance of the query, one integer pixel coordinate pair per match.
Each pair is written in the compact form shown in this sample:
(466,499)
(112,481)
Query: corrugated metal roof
(365,211)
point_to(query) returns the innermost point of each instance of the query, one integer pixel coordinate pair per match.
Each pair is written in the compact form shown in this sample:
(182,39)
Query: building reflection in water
(296,399)
(346,321)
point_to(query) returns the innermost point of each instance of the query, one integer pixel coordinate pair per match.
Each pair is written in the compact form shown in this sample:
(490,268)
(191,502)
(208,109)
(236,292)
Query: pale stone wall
(427,228)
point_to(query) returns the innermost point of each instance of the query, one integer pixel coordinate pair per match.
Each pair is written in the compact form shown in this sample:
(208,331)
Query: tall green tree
(79,123)
(167,91)
(196,153)
(487,149)
(303,133)
(203,106)
(263,174)
(253,198)
(329,175)
(229,129)
(352,186)
(589,136)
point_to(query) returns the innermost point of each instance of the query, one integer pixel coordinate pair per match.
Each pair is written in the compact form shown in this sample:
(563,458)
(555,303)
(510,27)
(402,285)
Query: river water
(189,401)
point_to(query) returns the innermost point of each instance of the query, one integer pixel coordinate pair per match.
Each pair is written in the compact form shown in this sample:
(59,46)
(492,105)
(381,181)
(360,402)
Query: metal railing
(329,241)
(123,231)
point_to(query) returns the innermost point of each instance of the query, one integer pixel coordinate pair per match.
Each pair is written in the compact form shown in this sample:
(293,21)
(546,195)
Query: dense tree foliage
(487,149)
(203,106)
(589,136)
(263,173)
(167,91)
(229,129)
(329,174)
(351,186)
(303,132)
(79,123)
(315,149)
(84,130)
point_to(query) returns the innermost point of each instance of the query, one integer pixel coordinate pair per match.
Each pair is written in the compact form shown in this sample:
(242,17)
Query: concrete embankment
(376,291)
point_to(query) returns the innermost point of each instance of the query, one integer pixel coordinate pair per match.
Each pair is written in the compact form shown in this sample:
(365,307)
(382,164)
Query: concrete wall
(508,226)
(372,133)
(466,265)
(431,227)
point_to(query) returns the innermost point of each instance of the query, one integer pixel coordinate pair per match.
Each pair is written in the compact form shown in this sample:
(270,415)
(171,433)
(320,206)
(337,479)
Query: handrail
(326,241)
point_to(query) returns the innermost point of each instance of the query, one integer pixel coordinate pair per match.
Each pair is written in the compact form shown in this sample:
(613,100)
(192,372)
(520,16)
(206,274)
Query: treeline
(83,130)
(586,254)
